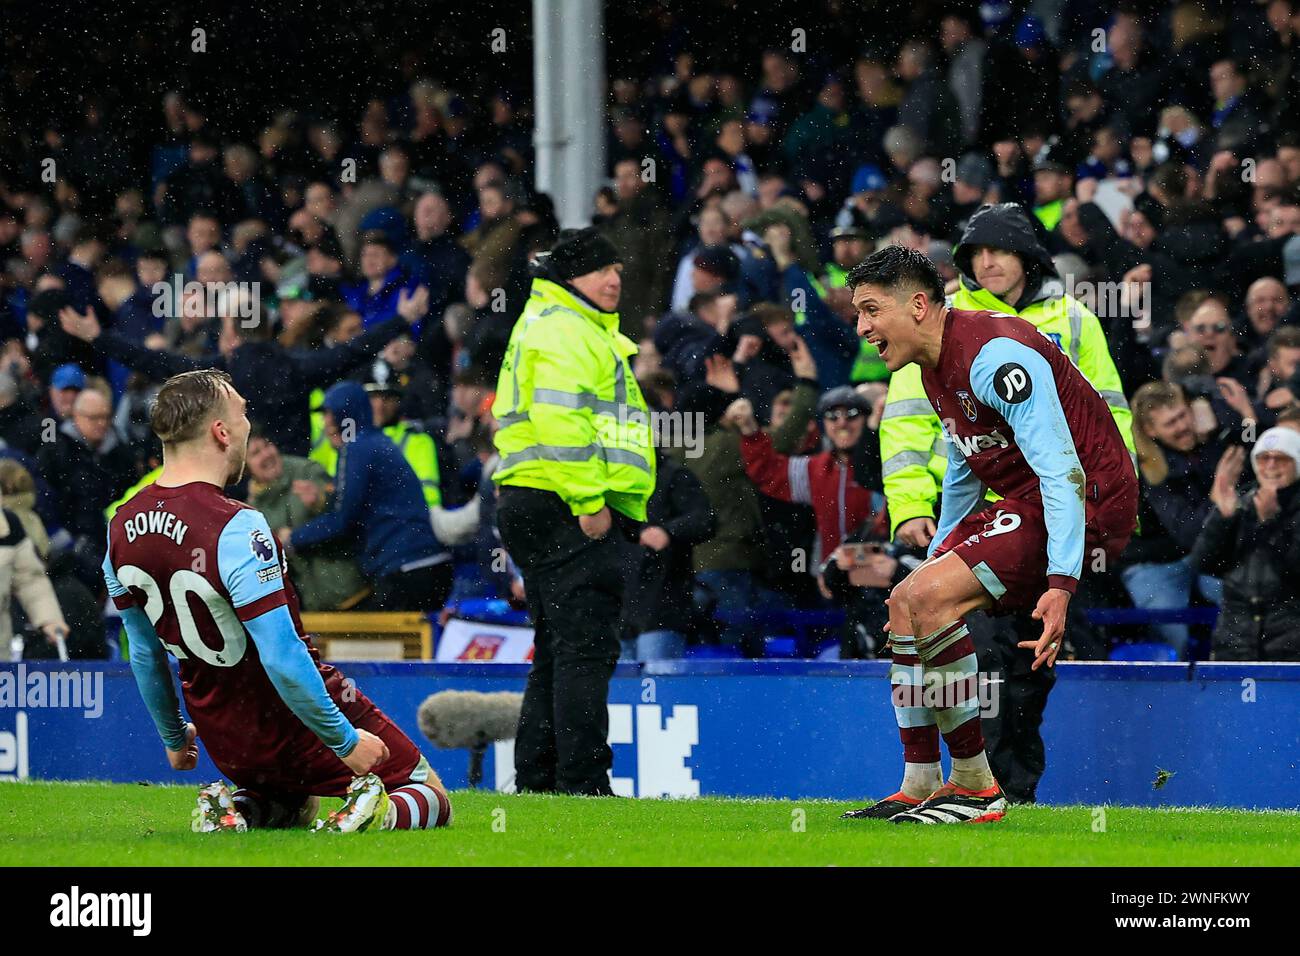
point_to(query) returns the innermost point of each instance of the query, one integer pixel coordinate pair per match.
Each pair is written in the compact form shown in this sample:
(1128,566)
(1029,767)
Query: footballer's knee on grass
(307,813)
(425,774)
(941,592)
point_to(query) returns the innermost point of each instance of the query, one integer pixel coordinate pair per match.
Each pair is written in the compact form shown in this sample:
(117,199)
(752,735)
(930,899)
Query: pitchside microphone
(455,719)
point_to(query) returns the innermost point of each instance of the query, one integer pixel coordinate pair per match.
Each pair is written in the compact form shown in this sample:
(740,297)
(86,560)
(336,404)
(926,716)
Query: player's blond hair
(186,403)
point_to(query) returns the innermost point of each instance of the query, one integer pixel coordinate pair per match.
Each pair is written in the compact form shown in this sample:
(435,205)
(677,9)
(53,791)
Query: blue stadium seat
(1143,651)
(781,646)
(711,651)
(489,611)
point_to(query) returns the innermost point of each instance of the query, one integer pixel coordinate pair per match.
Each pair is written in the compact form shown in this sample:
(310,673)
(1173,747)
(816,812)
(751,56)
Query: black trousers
(1012,737)
(575,589)
(424,589)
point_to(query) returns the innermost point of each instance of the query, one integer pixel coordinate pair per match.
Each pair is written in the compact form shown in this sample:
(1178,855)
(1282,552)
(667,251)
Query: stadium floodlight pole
(569,104)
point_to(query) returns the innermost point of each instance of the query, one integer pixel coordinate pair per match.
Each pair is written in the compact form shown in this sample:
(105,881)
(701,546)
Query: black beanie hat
(580,251)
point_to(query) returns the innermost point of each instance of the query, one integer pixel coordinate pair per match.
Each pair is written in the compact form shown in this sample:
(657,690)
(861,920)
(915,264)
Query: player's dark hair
(898,268)
(186,402)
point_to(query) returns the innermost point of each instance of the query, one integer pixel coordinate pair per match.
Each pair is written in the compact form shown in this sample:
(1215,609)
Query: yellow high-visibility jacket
(912,449)
(573,420)
(416,445)
(421,453)
(322,452)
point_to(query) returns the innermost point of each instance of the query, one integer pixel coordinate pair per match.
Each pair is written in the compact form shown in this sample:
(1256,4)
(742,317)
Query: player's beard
(238,461)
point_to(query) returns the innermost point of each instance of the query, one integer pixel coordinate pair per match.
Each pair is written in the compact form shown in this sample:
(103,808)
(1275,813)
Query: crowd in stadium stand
(1143,179)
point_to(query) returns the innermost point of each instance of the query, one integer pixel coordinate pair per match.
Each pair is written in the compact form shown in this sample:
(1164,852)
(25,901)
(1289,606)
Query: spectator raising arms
(278,381)
(1252,541)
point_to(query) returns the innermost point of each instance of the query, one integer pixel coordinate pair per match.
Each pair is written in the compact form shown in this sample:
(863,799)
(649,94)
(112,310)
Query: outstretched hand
(740,416)
(1223,492)
(721,374)
(801,360)
(1051,610)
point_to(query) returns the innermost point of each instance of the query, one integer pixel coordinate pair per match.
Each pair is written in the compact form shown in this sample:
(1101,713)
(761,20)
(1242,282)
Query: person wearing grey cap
(974,174)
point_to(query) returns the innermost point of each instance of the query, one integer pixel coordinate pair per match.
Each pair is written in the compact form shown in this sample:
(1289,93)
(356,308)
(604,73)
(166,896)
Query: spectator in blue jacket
(376,296)
(685,339)
(378,507)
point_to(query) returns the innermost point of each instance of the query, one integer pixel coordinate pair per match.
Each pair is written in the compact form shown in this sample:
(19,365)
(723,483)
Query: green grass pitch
(91,824)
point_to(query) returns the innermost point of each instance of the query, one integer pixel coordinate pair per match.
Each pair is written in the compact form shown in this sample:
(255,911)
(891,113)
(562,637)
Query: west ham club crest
(967,404)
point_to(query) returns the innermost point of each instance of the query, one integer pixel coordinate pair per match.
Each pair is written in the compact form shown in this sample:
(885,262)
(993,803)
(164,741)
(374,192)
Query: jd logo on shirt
(1012,383)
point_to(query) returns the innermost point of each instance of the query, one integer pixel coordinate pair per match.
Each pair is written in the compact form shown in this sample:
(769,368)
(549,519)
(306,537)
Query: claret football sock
(951,684)
(417,806)
(916,723)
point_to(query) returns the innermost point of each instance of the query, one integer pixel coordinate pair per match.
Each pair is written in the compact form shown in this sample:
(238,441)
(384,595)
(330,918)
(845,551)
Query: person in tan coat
(22,575)
(83,614)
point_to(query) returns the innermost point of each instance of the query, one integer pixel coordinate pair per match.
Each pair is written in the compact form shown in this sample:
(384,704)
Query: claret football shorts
(1005,545)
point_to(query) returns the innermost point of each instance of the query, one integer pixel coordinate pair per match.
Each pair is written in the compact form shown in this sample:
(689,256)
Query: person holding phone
(859,575)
